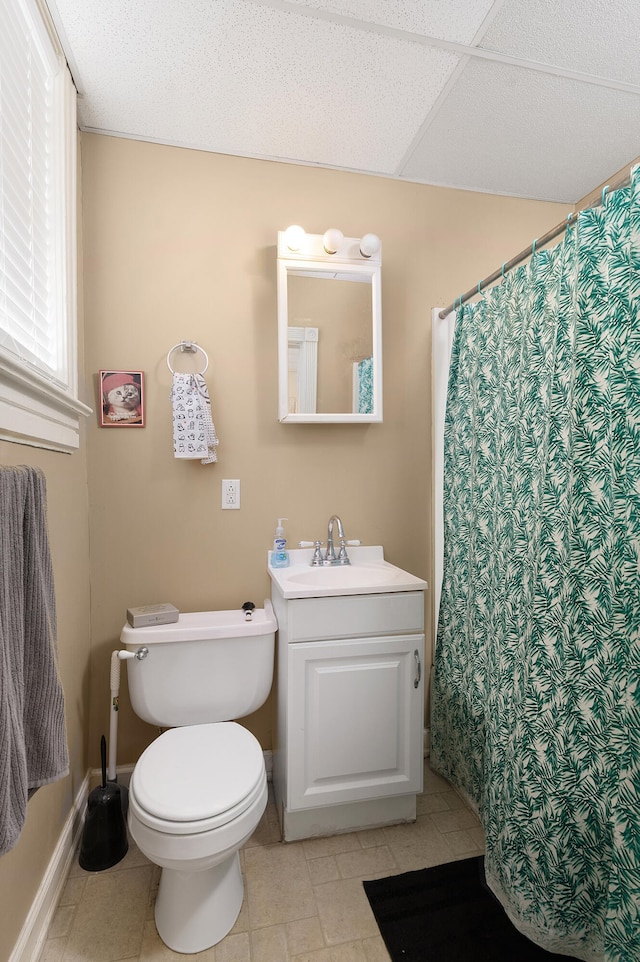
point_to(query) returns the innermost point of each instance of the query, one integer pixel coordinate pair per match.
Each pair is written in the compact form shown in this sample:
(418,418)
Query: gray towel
(33,743)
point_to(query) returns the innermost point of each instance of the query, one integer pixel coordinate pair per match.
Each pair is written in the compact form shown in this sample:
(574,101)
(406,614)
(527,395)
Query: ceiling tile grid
(442,19)
(245,78)
(425,90)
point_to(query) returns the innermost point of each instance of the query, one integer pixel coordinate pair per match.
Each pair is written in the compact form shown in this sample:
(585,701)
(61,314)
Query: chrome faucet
(329,558)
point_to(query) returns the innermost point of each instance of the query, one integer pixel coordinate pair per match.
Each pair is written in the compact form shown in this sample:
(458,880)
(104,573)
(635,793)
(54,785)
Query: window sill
(36,412)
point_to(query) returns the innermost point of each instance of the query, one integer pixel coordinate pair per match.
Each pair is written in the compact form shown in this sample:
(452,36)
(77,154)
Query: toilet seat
(197,778)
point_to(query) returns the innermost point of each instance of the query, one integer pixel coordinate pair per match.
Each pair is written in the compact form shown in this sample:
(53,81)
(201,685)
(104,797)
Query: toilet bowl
(199,790)
(196,796)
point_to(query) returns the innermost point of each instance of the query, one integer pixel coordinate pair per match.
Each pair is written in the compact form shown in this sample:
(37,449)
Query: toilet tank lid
(204,625)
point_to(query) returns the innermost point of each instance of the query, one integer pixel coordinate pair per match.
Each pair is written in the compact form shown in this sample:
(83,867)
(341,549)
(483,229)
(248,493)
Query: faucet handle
(343,557)
(317,554)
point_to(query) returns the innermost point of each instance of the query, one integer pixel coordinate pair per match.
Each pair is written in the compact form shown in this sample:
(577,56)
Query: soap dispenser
(280,555)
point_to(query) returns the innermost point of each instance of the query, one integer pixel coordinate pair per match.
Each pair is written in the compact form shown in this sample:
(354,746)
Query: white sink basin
(368,573)
(348,576)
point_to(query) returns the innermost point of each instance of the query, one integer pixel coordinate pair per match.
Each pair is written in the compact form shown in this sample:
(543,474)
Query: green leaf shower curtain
(536,695)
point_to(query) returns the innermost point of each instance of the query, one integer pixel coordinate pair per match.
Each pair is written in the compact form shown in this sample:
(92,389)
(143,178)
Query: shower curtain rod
(528,251)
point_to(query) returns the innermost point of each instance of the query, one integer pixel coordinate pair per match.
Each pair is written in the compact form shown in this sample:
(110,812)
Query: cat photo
(121,399)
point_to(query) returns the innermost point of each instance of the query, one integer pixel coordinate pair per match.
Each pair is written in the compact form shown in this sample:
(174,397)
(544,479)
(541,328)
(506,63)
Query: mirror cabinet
(329,329)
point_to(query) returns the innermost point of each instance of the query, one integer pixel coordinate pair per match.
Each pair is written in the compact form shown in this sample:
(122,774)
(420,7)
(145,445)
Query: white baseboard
(34,931)
(123,775)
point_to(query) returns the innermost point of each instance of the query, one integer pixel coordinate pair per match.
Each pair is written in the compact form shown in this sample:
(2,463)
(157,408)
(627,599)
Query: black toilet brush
(104,837)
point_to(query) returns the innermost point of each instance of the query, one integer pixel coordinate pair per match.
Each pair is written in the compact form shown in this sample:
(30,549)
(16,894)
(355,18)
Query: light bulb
(369,245)
(294,237)
(332,239)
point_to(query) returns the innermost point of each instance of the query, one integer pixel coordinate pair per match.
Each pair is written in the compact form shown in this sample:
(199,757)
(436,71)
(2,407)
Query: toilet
(199,790)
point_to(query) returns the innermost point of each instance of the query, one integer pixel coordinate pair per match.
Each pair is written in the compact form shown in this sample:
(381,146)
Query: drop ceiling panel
(243,78)
(371,85)
(592,36)
(443,19)
(508,130)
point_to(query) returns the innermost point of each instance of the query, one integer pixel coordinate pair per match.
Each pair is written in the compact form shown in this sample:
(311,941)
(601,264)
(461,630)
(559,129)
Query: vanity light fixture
(294,237)
(332,239)
(369,245)
(332,242)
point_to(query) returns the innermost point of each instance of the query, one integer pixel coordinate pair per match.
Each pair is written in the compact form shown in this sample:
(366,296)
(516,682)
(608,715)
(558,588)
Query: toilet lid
(197,772)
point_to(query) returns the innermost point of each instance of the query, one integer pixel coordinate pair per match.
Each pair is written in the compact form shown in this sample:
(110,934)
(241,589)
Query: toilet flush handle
(141,653)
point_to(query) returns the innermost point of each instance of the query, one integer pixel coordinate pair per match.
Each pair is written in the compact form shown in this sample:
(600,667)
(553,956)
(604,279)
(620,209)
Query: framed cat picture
(121,399)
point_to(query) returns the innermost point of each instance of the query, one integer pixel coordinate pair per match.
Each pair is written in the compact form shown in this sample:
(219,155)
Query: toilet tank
(208,666)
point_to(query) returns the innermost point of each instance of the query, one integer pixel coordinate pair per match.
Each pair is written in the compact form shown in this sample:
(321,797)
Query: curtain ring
(533,247)
(479,287)
(604,192)
(503,267)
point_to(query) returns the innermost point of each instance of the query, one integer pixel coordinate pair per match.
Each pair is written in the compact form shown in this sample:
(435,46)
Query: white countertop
(368,573)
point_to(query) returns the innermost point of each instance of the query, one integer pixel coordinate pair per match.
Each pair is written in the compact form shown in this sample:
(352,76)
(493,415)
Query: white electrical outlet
(230,493)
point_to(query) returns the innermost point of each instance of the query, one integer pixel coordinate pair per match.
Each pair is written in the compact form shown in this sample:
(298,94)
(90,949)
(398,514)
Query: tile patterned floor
(304,901)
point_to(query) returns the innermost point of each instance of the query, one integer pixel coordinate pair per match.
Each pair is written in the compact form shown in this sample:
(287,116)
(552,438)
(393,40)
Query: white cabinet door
(355,719)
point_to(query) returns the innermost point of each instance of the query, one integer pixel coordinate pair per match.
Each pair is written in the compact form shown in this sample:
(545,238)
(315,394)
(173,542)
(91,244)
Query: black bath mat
(447,914)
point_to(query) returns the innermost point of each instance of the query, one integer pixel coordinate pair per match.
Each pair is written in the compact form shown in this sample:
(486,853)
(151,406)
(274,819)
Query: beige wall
(181,244)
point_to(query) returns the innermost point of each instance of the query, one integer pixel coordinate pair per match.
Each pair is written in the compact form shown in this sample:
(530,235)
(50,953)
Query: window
(38,350)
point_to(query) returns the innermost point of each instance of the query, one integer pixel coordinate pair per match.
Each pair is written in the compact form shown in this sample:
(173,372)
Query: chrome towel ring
(190,347)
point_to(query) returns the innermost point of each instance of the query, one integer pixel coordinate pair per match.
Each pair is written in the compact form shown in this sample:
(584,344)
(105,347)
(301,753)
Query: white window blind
(38,380)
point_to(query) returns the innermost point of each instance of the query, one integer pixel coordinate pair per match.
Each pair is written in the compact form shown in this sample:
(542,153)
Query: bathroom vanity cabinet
(349,741)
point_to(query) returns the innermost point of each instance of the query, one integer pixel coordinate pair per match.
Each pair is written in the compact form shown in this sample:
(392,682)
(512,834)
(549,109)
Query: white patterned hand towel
(194,435)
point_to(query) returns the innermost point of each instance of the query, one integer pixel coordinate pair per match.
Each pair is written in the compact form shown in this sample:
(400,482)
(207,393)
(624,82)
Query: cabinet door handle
(416,680)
